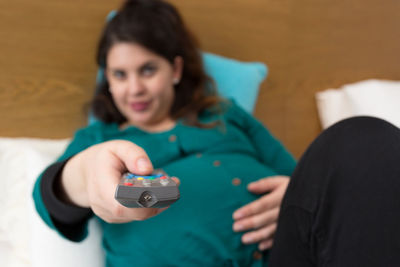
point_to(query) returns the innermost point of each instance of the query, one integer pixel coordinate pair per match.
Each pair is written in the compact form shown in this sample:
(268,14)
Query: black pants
(342,206)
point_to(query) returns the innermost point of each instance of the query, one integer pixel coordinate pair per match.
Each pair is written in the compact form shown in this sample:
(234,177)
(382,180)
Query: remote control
(153,191)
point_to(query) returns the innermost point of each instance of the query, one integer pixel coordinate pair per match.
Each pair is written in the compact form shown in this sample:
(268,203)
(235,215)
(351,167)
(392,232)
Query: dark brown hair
(157,26)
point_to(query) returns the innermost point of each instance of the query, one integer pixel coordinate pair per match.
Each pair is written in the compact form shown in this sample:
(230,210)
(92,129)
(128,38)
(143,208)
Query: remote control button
(139,178)
(164,182)
(146,182)
(128,184)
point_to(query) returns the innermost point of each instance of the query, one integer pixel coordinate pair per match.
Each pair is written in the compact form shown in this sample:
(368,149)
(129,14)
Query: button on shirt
(172,138)
(236,181)
(213,165)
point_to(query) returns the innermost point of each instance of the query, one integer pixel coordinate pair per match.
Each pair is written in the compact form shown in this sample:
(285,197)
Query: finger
(121,214)
(266,244)
(134,157)
(176,180)
(256,221)
(262,204)
(123,155)
(267,184)
(260,234)
(140,214)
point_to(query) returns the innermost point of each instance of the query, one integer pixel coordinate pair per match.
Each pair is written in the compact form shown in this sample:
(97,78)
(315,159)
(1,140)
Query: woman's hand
(261,215)
(90,179)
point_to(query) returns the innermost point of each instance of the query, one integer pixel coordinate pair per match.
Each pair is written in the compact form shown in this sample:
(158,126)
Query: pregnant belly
(198,227)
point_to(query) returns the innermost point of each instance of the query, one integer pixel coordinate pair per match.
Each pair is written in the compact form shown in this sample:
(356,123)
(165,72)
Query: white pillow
(377,98)
(25,240)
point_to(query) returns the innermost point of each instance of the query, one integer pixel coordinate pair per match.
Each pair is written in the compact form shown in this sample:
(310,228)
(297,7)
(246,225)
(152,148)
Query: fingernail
(250,185)
(247,239)
(237,215)
(237,227)
(143,164)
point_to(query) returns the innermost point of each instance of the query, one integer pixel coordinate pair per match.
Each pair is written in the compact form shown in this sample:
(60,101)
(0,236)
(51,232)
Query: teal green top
(197,229)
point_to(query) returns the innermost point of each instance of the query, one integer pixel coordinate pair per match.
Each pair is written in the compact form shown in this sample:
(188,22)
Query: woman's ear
(178,69)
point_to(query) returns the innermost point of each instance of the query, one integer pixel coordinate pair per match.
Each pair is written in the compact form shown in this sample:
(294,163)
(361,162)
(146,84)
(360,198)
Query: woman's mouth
(139,106)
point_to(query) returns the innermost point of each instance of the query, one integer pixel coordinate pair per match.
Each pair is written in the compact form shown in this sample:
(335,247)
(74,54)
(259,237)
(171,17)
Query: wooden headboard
(47,66)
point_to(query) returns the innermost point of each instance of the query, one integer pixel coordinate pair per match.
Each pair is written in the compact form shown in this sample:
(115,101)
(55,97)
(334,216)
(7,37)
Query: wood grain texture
(309,46)
(47,64)
(48,68)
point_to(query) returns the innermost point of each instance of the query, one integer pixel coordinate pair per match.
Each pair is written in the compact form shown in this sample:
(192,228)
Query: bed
(48,73)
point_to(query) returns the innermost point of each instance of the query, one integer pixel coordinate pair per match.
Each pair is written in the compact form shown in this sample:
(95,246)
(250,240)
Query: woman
(157,108)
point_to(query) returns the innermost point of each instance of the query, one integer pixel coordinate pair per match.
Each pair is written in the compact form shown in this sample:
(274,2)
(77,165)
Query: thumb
(264,185)
(132,156)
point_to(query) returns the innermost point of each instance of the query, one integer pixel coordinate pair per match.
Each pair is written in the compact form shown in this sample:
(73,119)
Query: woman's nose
(135,85)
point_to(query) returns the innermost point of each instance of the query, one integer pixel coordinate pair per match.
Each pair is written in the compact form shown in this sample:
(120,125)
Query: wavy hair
(157,26)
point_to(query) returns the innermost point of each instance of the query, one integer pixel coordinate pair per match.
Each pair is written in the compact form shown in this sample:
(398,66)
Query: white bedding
(378,98)
(24,238)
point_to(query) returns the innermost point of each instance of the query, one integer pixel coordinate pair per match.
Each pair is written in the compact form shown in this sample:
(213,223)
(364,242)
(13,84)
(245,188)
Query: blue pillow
(235,79)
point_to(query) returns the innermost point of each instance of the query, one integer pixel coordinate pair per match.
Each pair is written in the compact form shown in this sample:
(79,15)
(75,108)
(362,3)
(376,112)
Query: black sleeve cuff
(61,212)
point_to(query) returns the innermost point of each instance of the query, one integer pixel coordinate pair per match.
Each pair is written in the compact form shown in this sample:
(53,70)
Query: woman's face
(142,85)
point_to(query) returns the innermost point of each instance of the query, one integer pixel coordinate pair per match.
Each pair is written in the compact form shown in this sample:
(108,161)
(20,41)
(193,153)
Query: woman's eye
(148,70)
(119,74)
